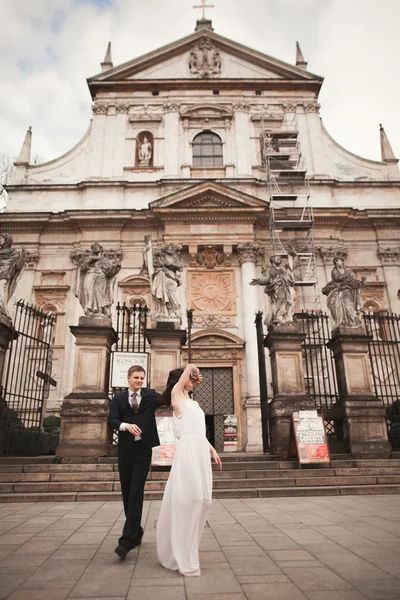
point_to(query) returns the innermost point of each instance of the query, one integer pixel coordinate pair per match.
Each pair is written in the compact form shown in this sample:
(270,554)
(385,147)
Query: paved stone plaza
(321,548)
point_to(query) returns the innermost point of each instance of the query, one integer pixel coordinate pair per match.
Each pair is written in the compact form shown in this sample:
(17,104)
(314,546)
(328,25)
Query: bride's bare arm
(216,457)
(177,398)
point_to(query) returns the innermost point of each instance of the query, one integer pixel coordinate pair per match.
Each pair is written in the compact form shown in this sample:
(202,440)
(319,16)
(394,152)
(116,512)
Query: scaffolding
(291,219)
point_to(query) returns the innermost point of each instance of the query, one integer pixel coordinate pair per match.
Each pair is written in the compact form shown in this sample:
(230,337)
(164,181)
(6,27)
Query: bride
(187,496)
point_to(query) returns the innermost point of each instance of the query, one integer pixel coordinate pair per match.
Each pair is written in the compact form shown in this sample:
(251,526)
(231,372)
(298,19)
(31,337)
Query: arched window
(207,150)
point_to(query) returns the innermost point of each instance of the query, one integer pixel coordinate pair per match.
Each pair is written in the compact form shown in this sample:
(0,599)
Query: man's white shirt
(122,427)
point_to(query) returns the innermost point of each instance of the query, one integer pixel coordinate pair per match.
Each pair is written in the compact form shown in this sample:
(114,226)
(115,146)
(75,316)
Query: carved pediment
(209,201)
(209,195)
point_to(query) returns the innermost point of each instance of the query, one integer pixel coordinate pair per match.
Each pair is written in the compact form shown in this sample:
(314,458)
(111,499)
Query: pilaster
(284,344)
(363,413)
(84,412)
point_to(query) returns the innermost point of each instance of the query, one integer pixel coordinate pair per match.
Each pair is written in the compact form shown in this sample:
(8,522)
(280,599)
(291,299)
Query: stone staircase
(243,476)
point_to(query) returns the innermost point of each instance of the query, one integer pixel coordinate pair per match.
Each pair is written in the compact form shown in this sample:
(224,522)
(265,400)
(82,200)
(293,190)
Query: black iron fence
(131,324)
(384,356)
(131,328)
(27,377)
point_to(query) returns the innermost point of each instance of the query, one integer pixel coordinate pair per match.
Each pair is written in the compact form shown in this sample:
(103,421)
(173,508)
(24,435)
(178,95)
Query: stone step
(103,496)
(113,475)
(78,486)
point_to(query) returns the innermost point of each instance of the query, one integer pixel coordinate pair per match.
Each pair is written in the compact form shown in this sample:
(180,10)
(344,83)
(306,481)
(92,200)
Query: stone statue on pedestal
(164,266)
(12,262)
(279,284)
(95,279)
(144,152)
(344,297)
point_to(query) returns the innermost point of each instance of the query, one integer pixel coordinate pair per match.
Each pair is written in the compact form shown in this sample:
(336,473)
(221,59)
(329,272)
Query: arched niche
(144,154)
(136,290)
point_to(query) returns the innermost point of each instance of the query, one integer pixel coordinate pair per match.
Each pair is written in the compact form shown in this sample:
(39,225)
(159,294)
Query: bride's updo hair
(173,378)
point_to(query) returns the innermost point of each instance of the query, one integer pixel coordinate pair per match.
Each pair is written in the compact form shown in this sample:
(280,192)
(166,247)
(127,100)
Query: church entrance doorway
(216,398)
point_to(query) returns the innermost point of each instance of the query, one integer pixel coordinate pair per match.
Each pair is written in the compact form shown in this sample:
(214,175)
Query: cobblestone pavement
(320,548)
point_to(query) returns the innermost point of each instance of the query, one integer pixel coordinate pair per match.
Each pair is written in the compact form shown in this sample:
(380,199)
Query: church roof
(147,70)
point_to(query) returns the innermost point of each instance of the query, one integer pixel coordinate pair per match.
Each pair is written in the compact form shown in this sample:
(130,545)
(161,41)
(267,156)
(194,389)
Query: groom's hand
(133,429)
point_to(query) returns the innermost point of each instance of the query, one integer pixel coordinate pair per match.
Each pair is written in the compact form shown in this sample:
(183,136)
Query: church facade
(173,154)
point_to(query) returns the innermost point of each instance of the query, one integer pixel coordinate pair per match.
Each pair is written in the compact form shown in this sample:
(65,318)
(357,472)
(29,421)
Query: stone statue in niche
(279,284)
(12,262)
(144,143)
(344,296)
(164,266)
(204,60)
(95,278)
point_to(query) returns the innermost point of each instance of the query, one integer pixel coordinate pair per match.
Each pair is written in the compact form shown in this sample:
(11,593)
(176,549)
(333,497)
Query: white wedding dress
(187,496)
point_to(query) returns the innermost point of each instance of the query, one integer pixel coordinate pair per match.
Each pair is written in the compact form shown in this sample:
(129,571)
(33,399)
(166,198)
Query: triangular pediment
(186,59)
(208,196)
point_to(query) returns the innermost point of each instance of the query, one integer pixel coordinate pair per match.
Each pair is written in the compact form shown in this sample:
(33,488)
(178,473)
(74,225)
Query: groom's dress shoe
(121,551)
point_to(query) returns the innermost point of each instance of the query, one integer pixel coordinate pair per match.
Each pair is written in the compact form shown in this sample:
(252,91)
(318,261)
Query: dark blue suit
(134,458)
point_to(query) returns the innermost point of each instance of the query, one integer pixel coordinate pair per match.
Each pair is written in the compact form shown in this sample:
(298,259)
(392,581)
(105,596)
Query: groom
(132,413)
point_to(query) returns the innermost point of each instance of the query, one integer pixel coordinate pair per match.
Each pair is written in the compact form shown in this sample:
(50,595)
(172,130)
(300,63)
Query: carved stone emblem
(210,257)
(204,60)
(212,293)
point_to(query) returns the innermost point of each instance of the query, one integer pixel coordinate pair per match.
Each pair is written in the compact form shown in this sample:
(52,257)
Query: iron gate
(215,396)
(384,356)
(131,326)
(26,383)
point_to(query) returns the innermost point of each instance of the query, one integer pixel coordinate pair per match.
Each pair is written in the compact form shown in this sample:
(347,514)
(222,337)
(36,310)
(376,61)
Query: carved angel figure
(279,284)
(94,281)
(164,266)
(344,297)
(12,262)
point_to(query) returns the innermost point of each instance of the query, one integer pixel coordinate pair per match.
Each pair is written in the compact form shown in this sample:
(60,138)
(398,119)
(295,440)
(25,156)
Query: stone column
(171,141)
(242,135)
(363,413)
(390,258)
(249,255)
(284,344)
(84,412)
(166,351)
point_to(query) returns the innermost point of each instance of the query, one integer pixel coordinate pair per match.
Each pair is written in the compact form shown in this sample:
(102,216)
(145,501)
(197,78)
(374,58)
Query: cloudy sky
(49,47)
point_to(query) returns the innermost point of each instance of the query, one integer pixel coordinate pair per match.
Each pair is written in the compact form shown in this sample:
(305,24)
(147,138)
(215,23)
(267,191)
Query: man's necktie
(134,402)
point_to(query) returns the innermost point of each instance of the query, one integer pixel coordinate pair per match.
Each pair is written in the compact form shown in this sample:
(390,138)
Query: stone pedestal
(84,413)
(166,350)
(6,335)
(284,344)
(363,413)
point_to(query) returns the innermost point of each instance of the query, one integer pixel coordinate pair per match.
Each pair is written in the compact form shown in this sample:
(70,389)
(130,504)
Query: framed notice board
(308,438)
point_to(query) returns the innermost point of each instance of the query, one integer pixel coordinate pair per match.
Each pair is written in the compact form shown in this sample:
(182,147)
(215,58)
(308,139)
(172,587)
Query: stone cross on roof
(204,6)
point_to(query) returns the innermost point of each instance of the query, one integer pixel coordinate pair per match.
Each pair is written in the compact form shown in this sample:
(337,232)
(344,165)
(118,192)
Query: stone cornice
(169,85)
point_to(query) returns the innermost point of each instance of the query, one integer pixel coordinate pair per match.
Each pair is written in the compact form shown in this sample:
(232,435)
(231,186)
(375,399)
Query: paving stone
(156,593)
(342,595)
(273,591)
(39,546)
(380,589)
(208,583)
(253,565)
(29,560)
(316,578)
(11,579)
(99,582)
(75,552)
(56,574)
(51,594)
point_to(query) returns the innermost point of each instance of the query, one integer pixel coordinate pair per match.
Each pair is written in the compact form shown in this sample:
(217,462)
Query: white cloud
(49,47)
